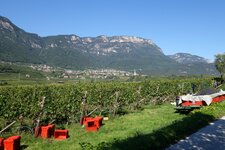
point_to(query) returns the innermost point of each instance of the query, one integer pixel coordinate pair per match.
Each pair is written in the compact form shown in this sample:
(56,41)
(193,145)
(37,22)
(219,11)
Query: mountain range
(115,52)
(185,58)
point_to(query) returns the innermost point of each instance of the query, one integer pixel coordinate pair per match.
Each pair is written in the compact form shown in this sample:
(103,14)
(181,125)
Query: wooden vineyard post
(116,104)
(93,111)
(39,116)
(7,126)
(83,107)
(139,99)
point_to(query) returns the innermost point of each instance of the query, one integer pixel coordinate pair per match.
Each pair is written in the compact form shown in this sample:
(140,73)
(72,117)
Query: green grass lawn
(143,122)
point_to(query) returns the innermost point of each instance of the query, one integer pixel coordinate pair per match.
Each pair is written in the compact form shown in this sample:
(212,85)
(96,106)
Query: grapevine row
(63,102)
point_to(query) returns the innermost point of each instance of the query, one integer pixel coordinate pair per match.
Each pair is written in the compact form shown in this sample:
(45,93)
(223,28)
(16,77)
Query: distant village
(86,74)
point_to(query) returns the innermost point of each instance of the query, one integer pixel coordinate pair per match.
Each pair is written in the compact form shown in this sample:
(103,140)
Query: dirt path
(211,137)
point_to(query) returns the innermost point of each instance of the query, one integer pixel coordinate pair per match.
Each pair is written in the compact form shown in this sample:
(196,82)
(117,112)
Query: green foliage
(86,146)
(63,102)
(220,63)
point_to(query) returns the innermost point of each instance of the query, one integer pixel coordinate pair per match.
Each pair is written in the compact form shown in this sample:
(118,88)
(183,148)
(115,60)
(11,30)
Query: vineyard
(63,102)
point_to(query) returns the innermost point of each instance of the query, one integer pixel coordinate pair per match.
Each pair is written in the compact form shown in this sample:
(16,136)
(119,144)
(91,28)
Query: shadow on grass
(163,137)
(22,147)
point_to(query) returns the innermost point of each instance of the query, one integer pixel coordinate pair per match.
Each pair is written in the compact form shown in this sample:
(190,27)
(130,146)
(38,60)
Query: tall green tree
(220,64)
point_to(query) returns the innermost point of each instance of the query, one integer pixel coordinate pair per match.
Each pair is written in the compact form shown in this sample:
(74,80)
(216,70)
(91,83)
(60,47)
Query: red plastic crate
(98,121)
(45,131)
(1,144)
(93,128)
(61,134)
(84,120)
(52,129)
(12,143)
(91,125)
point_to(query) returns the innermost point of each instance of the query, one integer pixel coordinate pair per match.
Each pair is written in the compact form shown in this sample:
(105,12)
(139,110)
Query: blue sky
(192,26)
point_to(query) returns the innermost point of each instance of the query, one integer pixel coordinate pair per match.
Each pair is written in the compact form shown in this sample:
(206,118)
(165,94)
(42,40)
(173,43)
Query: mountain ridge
(72,51)
(187,58)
